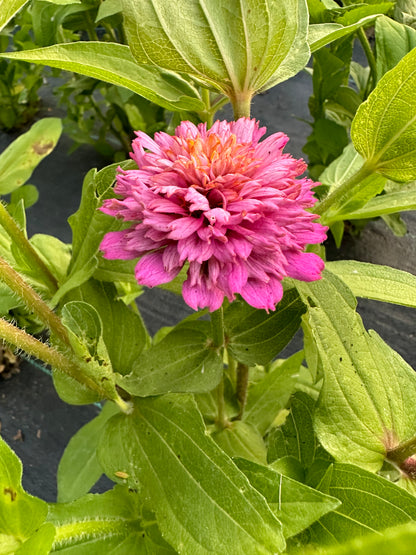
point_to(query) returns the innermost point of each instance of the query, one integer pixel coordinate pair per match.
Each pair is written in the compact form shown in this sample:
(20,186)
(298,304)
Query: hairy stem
(25,247)
(241,103)
(402,452)
(33,301)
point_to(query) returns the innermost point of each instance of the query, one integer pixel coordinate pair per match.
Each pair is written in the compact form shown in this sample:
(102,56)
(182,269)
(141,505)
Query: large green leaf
(113,63)
(366,404)
(369,504)
(255,336)
(21,515)
(393,41)
(384,128)
(377,282)
(79,468)
(8,9)
(237,46)
(203,503)
(109,523)
(297,506)
(240,439)
(21,157)
(183,361)
(269,396)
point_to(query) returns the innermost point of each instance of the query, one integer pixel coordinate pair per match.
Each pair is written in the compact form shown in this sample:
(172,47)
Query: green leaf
(365,407)
(39,543)
(109,523)
(297,506)
(269,396)
(113,63)
(124,333)
(393,42)
(356,14)
(384,205)
(108,8)
(369,504)
(203,503)
(21,515)
(321,34)
(384,128)
(377,282)
(237,47)
(240,439)
(54,253)
(296,438)
(21,157)
(184,361)
(255,336)
(399,540)
(8,9)
(79,468)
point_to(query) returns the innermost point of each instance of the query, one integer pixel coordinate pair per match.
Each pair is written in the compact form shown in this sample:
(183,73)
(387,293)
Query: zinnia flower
(223,202)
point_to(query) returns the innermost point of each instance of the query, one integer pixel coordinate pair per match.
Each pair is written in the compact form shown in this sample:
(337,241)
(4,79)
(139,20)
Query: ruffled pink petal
(113,246)
(305,266)
(150,270)
(200,296)
(262,295)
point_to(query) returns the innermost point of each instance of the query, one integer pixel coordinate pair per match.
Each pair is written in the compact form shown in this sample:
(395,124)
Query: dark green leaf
(203,503)
(255,336)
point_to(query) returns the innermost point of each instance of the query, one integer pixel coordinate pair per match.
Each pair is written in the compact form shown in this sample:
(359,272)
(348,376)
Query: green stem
(370,58)
(242,387)
(33,301)
(222,421)
(241,104)
(25,247)
(232,368)
(92,33)
(71,533)
(343,190)
(217,326)
(402,452)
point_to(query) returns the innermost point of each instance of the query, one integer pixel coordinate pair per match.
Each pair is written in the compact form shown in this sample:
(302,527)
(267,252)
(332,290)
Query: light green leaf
(240,439)
(296,438)
(255,336)
(124,333)
(21,157)
(384,205)
(377,282)
(237,47)
(321,34)
(365,407)
(384,128)
(8,9)
(393,41)
(39,543)
(79,468)
(297,506)
(108,8)
(370,503)
(21,514)
(113,63)
(269,396)
(183,361)
(399,540)
(108,524)
(75,279)
(203,503)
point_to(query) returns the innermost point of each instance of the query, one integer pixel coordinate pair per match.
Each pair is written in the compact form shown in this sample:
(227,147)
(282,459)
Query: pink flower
(223,202)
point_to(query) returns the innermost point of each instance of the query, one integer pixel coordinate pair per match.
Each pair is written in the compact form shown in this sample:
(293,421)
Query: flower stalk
(242,387)
(23,244)
(241,103)
(33,301)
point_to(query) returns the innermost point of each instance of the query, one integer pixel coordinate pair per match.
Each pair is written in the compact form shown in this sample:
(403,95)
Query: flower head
(223,202)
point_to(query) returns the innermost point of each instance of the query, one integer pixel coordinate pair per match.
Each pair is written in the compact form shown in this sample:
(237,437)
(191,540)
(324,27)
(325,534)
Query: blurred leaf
(183,361)
(79,468)
(237,47)
(113,63)
(188,480)
(393,42)
(255,336)
(269,396)
(21,157)
(377,282)
(297,506)
(108,8)
(384,128)
(369,504)
(321,34)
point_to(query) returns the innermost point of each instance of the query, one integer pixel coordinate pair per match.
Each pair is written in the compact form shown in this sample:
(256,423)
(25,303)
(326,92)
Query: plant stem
(241,103)
(242,386)
(232,368)
(370,58)
(222,421)
(23,244)
(217,326)
(343,190)
(33,301)
(402,452)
